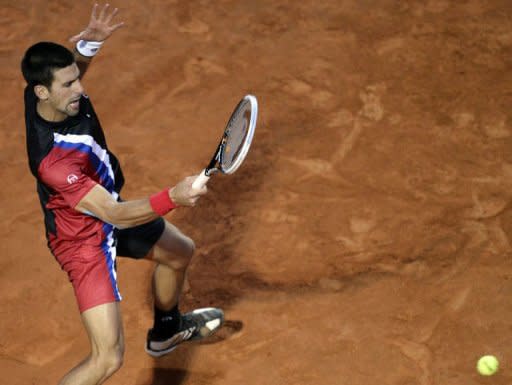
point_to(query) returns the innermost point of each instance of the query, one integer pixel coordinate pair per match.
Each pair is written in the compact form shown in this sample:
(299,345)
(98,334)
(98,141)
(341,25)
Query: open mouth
(75,104)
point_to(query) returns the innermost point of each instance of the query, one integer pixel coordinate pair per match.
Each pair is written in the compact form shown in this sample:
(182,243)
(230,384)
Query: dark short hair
(42,59)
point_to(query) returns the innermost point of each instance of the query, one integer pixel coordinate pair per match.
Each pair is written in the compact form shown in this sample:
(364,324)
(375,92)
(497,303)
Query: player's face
(65,91)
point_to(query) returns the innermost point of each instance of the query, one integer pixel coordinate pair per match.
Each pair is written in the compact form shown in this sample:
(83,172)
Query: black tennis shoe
(196,325)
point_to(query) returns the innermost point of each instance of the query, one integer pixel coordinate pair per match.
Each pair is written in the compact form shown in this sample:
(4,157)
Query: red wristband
(161,202)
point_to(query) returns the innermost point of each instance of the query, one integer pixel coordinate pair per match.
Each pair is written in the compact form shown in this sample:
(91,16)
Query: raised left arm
(99,29)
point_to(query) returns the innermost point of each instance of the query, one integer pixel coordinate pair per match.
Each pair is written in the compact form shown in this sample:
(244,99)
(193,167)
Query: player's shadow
(168,376)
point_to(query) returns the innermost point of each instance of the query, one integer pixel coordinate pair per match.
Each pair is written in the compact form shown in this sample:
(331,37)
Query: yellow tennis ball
(487,365)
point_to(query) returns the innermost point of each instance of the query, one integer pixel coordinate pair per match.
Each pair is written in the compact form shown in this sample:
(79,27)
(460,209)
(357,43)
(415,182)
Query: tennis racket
(235,141)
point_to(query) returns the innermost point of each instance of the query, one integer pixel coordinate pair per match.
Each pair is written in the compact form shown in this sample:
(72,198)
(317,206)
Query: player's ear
(41,92)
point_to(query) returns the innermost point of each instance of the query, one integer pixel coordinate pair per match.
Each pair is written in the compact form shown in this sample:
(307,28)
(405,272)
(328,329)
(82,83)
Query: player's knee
(113,363)
(175,253)
(180,257)
(188,251)
(111,359)
(190,248)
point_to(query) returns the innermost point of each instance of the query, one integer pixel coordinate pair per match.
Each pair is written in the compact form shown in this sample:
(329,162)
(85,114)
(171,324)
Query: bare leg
(172,253)
(104,328)
(167,284)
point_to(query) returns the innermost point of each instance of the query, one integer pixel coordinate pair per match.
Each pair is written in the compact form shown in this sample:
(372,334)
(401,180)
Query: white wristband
(88,48)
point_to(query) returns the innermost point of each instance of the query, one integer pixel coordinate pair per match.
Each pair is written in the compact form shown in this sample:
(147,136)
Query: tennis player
(87,224)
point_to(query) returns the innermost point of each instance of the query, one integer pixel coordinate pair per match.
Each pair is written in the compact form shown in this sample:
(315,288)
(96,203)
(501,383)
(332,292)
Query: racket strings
(235,139)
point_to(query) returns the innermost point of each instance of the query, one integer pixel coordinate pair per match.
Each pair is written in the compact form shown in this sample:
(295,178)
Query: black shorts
(136,242)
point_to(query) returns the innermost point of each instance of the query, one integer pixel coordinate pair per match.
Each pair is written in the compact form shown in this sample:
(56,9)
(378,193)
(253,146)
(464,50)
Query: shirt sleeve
(66,177)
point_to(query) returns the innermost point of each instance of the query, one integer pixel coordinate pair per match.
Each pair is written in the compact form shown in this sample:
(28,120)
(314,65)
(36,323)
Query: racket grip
(200,181)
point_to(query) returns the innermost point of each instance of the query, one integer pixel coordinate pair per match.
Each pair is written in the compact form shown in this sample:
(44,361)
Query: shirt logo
(72,178)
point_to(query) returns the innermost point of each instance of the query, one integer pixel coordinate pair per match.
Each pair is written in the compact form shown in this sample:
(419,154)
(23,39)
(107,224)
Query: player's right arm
(62,171)
(100,203)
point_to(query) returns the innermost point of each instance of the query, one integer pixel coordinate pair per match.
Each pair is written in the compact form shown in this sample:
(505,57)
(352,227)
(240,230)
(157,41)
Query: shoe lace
(191,323)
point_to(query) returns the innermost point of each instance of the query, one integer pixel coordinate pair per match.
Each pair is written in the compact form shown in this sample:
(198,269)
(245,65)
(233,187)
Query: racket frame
(215,164)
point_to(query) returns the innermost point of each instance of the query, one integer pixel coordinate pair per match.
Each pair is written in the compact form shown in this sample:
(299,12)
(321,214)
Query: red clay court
(365,240)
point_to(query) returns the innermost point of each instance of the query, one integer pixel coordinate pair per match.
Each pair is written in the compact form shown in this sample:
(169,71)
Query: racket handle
(200,181)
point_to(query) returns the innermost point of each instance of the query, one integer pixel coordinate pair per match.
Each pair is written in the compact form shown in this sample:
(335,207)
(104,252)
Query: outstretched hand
(100,27)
